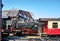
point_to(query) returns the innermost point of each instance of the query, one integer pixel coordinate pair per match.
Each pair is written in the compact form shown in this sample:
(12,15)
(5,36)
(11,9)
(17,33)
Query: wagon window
(55,25)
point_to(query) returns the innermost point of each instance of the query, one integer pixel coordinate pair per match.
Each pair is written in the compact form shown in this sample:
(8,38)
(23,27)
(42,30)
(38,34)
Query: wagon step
(44,35)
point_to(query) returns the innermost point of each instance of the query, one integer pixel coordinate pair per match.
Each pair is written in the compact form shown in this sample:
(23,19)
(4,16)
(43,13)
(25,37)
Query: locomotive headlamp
(35,25)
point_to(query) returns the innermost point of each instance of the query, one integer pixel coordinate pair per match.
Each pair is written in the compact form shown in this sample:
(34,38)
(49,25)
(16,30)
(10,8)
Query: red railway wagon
(51,26)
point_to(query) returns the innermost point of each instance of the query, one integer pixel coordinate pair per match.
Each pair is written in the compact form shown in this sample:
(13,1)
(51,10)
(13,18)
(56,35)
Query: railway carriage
(51,26)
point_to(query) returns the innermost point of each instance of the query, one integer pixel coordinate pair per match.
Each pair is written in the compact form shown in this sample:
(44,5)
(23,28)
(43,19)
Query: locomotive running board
(33,37)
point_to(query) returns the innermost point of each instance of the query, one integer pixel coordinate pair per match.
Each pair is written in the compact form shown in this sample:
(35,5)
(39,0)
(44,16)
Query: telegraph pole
(1,6)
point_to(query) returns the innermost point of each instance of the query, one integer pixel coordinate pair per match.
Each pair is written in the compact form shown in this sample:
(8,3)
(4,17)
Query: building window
(24,16)
(20,14)
(55,25)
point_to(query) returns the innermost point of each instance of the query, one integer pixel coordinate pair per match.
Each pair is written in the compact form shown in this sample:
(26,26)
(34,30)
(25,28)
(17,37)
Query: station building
(11,17)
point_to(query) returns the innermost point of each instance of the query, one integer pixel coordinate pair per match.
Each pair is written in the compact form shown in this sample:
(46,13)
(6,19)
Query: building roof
(10,13)
(49,19)
(4,14)
(13,13)
(26,13)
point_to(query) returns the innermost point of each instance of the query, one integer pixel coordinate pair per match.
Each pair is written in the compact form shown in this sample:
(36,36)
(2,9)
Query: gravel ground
(17,38)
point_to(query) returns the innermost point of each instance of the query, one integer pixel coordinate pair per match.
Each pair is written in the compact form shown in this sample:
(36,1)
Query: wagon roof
(49,19)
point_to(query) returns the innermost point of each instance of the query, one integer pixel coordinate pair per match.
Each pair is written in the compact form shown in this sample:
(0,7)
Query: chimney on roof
(39,19)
